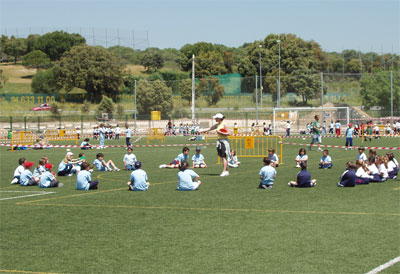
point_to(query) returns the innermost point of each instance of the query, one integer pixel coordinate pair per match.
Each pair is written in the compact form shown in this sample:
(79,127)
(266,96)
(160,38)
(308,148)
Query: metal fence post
(25,122)
(11,123)
(59,122)
(81,124)
(38,125)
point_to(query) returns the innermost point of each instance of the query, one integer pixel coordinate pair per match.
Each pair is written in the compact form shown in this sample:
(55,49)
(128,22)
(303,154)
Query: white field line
(384,266)
(24,196)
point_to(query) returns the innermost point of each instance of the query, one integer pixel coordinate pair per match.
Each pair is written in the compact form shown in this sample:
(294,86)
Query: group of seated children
(41,176)
(198,159)
(374,169)
(268,175)
(324,163)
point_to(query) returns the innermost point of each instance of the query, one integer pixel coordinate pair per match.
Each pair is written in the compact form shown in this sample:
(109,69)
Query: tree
(209,63)
(30,42)
(128,55)
(211,89)
(185,89)
(45,82)
(354,66)
(15,48)
(36,59)
(375,90)
(307,86)
(93,69)
(3,79)
(54,44)
(106,106)
(228,61)
(152,96)
(152,60)
(270,84)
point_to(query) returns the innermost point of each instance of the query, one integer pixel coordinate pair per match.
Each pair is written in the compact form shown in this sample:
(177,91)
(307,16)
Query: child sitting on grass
(348,178)
(303,178)
(18,171)
(198,159)
(326,160)
(373,170)
(47,179)
(393,168)
(67,166)
(382,166)
(361,155)
(139,179)
(362,173)
(102,165)
(85,144)
(27,178)
(233,162)
(267,175)
(84,178)
(39,170)
(129,160)
(302,157)
(188,179)
(177,162)
(273,157)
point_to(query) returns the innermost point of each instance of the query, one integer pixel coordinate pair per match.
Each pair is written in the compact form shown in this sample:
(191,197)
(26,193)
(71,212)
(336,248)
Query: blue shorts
(174,162)
(316,138)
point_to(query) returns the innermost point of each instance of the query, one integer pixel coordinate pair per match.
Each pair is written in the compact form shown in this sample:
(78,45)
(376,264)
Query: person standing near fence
(128,135)
(316,133)
(223,148)
(102,133)
(288,128)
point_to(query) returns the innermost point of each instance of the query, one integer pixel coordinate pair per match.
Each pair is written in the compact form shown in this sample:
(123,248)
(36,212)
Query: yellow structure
(256,131)
(156,134)
(61,135)
(22,138)
(254,146)
(156,115)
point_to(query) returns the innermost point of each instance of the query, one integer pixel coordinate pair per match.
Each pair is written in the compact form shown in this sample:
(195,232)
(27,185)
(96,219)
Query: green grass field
(228,226)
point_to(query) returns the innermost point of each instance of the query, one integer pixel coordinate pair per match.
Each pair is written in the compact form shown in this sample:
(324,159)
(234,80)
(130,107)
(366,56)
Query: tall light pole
(193,90)
(261,87)
(279,74)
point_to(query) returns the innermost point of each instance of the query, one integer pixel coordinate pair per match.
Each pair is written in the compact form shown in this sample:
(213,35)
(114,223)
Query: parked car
(42,107)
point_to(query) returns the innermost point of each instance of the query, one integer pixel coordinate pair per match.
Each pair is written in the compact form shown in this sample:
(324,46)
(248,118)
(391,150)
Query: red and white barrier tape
(332,146)
(341,136)
(113,146)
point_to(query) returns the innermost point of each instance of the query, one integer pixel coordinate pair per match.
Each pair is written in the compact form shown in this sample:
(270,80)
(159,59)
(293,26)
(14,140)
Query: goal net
(300,118)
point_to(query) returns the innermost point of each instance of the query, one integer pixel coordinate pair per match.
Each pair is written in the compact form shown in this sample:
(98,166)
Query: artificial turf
(228,226)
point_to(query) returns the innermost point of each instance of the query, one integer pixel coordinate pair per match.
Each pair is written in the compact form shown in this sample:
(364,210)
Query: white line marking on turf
(38,193)
(384,266)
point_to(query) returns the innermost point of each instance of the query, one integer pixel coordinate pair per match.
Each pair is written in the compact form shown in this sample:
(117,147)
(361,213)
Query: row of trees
(65,62)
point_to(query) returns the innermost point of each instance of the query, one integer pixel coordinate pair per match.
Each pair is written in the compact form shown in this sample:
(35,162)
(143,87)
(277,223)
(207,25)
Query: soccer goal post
(299,117)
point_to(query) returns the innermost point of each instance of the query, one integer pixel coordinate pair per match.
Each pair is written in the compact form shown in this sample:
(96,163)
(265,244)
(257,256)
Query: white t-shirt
(361,173)
(19,170)
(391,166)
(130,159)
(362,157)
(302,157)
(373,169)
(398,125)
(288,125)
(382,169)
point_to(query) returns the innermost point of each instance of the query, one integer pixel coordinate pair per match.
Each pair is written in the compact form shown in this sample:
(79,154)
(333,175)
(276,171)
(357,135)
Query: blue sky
(359,25)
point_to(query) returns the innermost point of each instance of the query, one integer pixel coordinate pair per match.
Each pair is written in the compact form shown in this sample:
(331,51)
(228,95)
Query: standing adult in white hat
(223,148)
